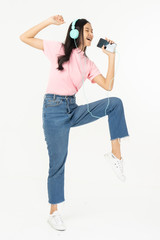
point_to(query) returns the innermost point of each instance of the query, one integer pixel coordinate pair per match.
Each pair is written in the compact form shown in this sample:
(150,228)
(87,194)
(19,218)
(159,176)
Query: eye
(88,31)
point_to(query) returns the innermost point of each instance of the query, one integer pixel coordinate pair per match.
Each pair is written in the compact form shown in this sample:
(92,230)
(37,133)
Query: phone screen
(102,42)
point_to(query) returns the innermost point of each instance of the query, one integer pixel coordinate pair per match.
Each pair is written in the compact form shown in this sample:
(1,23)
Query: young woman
(60,110)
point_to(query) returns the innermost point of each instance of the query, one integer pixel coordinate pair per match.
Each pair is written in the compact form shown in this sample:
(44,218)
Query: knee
(118,101)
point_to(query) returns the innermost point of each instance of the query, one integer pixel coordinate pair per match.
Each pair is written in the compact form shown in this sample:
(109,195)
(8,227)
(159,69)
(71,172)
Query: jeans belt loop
(54,97)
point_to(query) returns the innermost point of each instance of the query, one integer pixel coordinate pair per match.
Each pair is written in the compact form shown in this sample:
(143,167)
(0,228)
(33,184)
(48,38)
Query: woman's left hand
(107,52)
(57,19)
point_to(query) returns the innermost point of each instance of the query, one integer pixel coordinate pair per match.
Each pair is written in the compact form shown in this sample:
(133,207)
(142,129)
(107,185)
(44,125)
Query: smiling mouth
(88,39)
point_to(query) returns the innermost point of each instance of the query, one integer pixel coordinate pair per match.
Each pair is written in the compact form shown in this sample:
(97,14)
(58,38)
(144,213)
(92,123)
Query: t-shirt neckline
(79,50)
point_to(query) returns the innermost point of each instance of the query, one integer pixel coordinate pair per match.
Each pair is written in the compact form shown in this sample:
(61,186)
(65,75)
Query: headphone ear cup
(74,33)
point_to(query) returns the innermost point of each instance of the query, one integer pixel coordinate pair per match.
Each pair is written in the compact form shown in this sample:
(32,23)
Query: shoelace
(58,218)
(118,163)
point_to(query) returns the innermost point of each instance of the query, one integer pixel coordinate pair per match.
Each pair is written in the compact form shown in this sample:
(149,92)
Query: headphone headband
(73,24)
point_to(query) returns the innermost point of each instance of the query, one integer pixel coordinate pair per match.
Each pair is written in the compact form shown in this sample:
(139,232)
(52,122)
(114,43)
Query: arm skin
(36,29)
(110,74)
(28,36)
(107,83)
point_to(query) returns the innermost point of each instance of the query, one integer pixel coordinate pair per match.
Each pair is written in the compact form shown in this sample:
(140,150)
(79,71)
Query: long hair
(69,44)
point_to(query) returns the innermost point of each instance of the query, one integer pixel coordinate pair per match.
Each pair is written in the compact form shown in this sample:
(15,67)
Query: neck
(81,48)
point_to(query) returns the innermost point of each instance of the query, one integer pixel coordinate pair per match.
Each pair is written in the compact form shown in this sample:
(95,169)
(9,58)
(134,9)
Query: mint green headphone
(74,33)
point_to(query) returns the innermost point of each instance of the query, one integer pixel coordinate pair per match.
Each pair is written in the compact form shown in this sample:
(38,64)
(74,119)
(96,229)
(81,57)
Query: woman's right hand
(56,20)
(107,52)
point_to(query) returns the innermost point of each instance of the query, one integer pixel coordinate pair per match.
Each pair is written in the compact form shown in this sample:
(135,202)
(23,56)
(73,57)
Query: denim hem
(121,137)
(57,202)
(125,139)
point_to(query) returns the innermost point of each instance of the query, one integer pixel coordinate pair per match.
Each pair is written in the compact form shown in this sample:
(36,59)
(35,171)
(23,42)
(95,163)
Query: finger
(61,19)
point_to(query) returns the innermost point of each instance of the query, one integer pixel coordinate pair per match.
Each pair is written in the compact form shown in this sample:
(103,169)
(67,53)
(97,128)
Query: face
(87,34)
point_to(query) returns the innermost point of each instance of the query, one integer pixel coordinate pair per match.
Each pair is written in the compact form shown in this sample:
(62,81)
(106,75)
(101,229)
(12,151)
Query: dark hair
(69,42)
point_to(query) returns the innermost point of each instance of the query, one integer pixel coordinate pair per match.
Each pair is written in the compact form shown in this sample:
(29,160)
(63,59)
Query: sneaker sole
(55,227)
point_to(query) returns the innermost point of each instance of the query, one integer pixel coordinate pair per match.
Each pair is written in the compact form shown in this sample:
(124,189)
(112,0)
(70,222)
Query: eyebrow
(88,28)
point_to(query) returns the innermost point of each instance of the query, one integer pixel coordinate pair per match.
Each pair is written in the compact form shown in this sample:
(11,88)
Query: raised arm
(28,37)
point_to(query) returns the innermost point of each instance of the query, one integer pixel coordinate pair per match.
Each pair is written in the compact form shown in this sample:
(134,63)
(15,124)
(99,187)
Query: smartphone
(109,47)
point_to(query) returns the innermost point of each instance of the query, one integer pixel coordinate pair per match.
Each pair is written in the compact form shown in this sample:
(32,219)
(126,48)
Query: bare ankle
(117,155)
(53,208)
(116,148)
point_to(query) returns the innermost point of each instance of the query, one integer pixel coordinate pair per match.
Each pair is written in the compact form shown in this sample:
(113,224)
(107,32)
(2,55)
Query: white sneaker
(56,221)
(116,164)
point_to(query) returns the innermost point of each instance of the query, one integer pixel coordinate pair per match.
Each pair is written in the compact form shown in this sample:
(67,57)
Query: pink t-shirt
(69,80)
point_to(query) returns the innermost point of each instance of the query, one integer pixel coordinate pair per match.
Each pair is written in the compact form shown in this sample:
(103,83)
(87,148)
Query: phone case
(109,47)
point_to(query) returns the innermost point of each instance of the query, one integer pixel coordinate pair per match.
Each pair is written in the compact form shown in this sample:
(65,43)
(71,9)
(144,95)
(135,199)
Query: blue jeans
(59,114)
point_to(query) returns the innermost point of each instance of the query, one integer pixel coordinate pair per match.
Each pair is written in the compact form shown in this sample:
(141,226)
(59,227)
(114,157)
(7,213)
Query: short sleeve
(51,48)
(93,71)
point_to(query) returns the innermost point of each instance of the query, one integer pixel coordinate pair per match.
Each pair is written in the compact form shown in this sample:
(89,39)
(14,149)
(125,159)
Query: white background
(97,204)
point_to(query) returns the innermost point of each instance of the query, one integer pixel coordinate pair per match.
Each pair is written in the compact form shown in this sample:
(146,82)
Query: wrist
(49,21)
(112,55)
